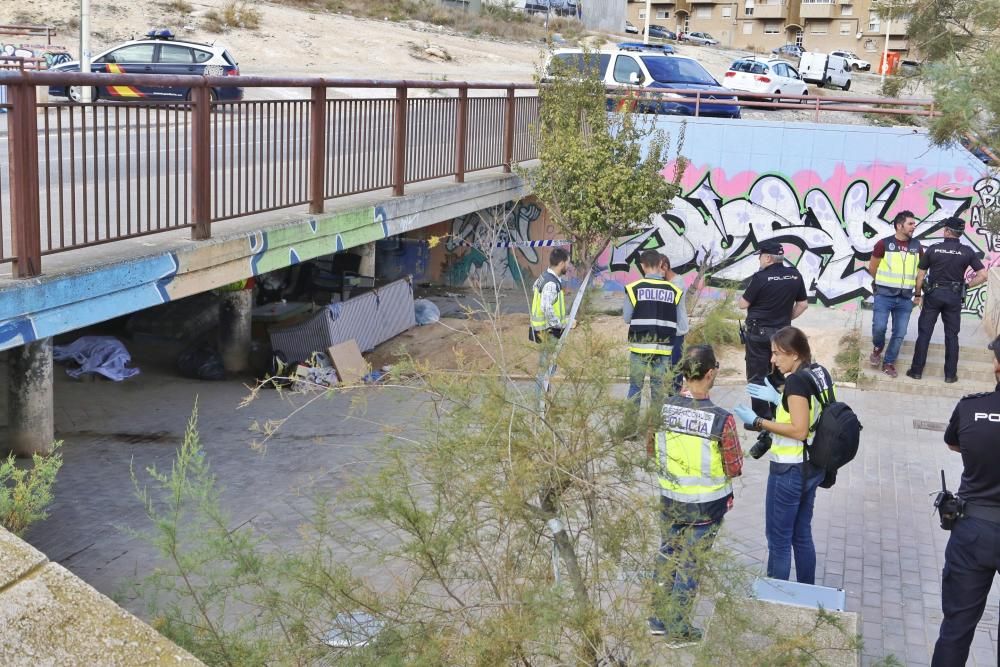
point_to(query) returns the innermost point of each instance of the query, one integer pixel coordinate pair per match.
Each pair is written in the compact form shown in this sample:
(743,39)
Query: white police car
(158,53)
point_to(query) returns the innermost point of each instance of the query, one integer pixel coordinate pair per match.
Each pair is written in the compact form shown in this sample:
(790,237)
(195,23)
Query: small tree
(599,173)
(25,492)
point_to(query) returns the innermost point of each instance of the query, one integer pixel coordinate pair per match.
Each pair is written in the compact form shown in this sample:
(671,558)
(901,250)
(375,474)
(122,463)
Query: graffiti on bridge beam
(831,233)
(479,240)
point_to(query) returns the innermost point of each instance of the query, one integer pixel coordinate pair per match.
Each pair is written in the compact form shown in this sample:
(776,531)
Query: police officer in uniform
(549,316)
(775,296)
(973,553)
(697,455)
(650,309)
(943,292)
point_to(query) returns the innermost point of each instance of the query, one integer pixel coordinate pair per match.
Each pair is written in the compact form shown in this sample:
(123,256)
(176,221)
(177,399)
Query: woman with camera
(791,482)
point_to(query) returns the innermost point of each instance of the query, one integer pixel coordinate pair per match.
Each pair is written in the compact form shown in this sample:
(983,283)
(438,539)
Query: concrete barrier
(50,616)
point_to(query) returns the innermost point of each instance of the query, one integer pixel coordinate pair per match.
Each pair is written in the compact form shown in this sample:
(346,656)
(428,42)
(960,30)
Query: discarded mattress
(370,319)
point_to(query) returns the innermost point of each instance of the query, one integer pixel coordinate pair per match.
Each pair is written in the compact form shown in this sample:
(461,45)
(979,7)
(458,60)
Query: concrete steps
(975,372)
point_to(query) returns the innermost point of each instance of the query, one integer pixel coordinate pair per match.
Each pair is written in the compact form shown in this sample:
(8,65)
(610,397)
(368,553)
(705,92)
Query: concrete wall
(607,15)
(51,617)
(828,192)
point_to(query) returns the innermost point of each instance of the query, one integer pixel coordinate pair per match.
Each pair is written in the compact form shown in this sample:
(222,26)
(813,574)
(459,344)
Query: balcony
(771,10)
(816,10)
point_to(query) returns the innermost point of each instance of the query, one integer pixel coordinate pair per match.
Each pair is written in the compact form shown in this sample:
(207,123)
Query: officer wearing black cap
(943,292)
(775,296)
(973,553)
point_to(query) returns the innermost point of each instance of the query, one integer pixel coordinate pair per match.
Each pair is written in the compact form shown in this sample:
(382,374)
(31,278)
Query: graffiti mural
(828,226)
(495,244)
(51,55)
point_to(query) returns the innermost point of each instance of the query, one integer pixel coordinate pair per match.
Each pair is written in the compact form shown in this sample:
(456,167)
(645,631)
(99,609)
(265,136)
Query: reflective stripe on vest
(688,451)
(654,315)
(789,450)
(898,268)
(538,320)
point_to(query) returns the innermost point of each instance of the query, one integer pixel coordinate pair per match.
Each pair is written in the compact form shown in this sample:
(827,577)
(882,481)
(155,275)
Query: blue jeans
(788,522)
(656,366)
(676,567)
(900,308)
(676,352)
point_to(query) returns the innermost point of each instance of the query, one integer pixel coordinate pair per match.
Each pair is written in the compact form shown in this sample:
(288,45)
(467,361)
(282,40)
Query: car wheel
(855,68)
(776,99)
(822,84)
(847,86)
(75,93)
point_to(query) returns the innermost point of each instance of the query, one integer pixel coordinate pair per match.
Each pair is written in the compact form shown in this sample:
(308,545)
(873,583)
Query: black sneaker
(656,626)
(951,380)
(688,637)
(913,374)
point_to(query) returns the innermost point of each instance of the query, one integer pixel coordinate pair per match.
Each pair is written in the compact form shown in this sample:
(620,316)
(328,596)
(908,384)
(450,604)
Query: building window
(748,8)
(727,12)
(817,2)
(642,16)
(817,28)
(798,37)
(662,14)
(845,27)
(847,10)
(772,28)
(874,22)
(704,12)
(748,27)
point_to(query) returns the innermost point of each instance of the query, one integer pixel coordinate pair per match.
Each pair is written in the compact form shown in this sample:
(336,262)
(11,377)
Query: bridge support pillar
(234,329)
(367,266)
(31,424)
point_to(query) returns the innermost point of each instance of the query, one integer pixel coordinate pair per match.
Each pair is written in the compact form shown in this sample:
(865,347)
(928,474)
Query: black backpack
(836,435)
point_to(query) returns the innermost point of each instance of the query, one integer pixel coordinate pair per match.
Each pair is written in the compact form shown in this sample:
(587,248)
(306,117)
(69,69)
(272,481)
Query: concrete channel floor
(875,532)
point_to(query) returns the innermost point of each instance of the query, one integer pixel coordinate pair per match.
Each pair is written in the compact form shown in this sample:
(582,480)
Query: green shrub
(26,492)
(718,325)
(848,359)
(234,14)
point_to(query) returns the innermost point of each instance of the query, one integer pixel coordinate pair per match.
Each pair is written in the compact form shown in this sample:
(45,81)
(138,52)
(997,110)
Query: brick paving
(875,532)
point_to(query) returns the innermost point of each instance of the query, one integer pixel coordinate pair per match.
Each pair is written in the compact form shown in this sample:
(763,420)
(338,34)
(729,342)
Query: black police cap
(770,248)
(955,224)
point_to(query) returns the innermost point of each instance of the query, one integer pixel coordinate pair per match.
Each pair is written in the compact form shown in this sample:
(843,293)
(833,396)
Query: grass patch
(234,14)
(501,21)
(718,324)
(848,359)
(179,6)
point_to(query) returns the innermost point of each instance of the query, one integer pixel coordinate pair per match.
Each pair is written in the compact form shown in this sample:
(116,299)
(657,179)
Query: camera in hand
(761,446)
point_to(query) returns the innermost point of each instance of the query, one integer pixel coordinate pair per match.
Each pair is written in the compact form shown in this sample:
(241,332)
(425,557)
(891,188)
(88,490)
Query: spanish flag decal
(121,91)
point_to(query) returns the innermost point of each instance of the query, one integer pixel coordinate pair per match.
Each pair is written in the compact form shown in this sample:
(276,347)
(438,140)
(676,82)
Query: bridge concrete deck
(95,284)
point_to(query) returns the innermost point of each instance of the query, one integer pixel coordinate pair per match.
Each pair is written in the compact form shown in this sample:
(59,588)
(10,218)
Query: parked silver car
(702,38)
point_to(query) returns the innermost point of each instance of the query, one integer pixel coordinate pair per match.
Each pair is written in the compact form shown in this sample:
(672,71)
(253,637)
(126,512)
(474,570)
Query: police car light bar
(161,33)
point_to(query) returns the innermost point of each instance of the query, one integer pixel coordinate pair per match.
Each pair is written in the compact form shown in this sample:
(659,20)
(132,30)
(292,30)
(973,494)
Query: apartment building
(761,25)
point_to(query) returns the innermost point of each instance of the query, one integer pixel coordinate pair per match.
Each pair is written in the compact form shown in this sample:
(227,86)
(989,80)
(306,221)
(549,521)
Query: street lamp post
(885,47)
(649,5)
(85,91)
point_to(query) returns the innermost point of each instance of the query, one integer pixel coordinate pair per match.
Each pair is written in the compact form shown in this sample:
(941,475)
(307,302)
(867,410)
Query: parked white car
(825,70)
(759,75)
(701,38)
(857,64)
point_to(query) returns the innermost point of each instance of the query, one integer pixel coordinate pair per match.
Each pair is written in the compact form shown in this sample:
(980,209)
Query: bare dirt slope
(296,41)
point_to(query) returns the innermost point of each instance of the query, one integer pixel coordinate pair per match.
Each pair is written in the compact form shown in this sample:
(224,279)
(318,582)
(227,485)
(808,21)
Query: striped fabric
(370,319)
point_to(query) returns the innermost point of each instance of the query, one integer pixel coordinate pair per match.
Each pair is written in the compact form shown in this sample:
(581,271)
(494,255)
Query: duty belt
(981,512)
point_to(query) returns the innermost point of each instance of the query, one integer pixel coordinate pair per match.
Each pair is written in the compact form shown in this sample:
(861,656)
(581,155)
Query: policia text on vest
(650,309)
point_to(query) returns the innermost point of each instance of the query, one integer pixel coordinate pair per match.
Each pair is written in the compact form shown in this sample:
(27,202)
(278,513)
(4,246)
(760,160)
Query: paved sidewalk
(875,531)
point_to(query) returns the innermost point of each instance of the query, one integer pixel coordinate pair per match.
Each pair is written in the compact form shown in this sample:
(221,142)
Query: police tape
(517,244)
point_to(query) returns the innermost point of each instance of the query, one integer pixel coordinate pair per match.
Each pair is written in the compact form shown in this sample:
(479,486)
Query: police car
(158,53)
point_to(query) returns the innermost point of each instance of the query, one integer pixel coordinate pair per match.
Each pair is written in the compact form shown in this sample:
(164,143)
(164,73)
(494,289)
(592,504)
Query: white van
(825,70)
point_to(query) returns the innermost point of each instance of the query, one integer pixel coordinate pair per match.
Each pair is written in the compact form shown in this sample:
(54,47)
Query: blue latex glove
(764,392)
(745,414)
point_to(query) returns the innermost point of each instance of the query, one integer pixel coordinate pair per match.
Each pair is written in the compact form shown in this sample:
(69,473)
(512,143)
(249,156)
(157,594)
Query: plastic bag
(426,312)
(202,363)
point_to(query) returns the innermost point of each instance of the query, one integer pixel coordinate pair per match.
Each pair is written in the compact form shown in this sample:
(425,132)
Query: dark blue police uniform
(771,293)
(943,294)
(973,553)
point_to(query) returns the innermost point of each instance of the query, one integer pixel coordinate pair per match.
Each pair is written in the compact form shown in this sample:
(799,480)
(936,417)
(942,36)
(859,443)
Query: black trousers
(970,561)
(948,305)
(758,358)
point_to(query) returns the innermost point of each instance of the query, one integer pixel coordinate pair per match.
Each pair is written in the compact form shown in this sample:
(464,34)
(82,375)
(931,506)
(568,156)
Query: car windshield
(665,69)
